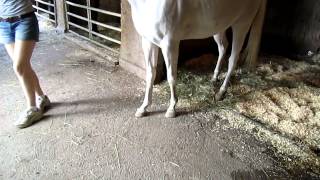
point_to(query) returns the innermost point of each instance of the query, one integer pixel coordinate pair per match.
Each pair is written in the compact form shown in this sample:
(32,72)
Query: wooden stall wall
(292,28)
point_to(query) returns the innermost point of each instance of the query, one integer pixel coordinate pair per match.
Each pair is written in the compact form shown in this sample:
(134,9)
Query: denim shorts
(24,29)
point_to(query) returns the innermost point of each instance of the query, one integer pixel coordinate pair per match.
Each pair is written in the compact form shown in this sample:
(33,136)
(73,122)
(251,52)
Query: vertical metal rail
(37,4)
(89,19)
(55,12)
(66,7)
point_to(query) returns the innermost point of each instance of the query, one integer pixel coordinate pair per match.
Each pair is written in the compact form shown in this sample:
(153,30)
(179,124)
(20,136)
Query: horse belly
(202,30)
(209,17)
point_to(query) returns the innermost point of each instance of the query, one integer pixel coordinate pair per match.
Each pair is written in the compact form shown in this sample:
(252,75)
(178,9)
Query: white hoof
(218,96)
(170,114)
(140,113)
(214,79)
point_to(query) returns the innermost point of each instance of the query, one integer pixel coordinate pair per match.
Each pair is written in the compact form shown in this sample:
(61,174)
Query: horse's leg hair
(151,52)
(222,43)
(239,31)
(170,54)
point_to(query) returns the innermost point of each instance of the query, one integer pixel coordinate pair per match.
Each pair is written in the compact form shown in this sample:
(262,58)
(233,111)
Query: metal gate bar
(90,22)
(94,9)
(41,10)
(95,22)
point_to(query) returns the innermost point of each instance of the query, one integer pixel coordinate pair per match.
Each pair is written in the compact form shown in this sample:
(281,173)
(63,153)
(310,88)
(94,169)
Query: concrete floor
(91,132)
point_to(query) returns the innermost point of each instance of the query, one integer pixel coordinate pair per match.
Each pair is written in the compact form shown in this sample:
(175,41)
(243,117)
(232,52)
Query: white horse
(163,23)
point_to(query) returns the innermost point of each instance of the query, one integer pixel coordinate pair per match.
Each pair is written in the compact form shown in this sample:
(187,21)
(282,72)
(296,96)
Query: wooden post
(61,16)
(131,53)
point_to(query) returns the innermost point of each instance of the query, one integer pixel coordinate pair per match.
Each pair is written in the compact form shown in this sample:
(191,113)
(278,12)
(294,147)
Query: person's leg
(10,50)
(22,52)
(38,90)
(20,43)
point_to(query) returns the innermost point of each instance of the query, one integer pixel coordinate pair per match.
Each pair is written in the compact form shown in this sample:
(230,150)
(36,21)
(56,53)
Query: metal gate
(84,20)
(46,9)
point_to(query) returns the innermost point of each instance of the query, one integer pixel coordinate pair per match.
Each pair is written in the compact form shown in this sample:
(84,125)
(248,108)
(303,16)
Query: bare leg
(20,54)
(151,52)
(222,43)
(10,50)
(171,54)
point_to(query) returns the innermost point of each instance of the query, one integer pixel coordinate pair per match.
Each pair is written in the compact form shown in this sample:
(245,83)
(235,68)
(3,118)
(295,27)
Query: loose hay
(279,104)
(281,111)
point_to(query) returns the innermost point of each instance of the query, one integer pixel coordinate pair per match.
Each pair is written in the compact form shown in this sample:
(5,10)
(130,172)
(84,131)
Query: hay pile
(279,103)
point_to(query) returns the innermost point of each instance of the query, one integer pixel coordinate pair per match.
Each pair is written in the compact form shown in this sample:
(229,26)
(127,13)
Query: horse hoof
(214,80)
(218,97)
(140,114)
(170,114)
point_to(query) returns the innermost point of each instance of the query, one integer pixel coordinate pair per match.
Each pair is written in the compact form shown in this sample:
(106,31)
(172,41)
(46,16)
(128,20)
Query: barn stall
(278,102)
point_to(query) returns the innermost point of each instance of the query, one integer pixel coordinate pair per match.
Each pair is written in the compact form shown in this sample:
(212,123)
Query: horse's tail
(253,46)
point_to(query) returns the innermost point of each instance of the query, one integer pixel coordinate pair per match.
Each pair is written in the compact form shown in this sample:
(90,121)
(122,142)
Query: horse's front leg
(171,53)
(151,52)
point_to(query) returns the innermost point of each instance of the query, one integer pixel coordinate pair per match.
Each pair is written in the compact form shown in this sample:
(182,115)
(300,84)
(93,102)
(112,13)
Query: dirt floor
(91,132)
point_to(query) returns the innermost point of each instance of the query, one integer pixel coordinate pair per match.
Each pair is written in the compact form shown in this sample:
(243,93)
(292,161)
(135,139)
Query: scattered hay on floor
(279,103)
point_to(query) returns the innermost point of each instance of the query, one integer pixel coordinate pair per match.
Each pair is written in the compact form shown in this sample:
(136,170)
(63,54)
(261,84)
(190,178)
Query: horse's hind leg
(239,31)
(170,54)
(151,57)
(222,43)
